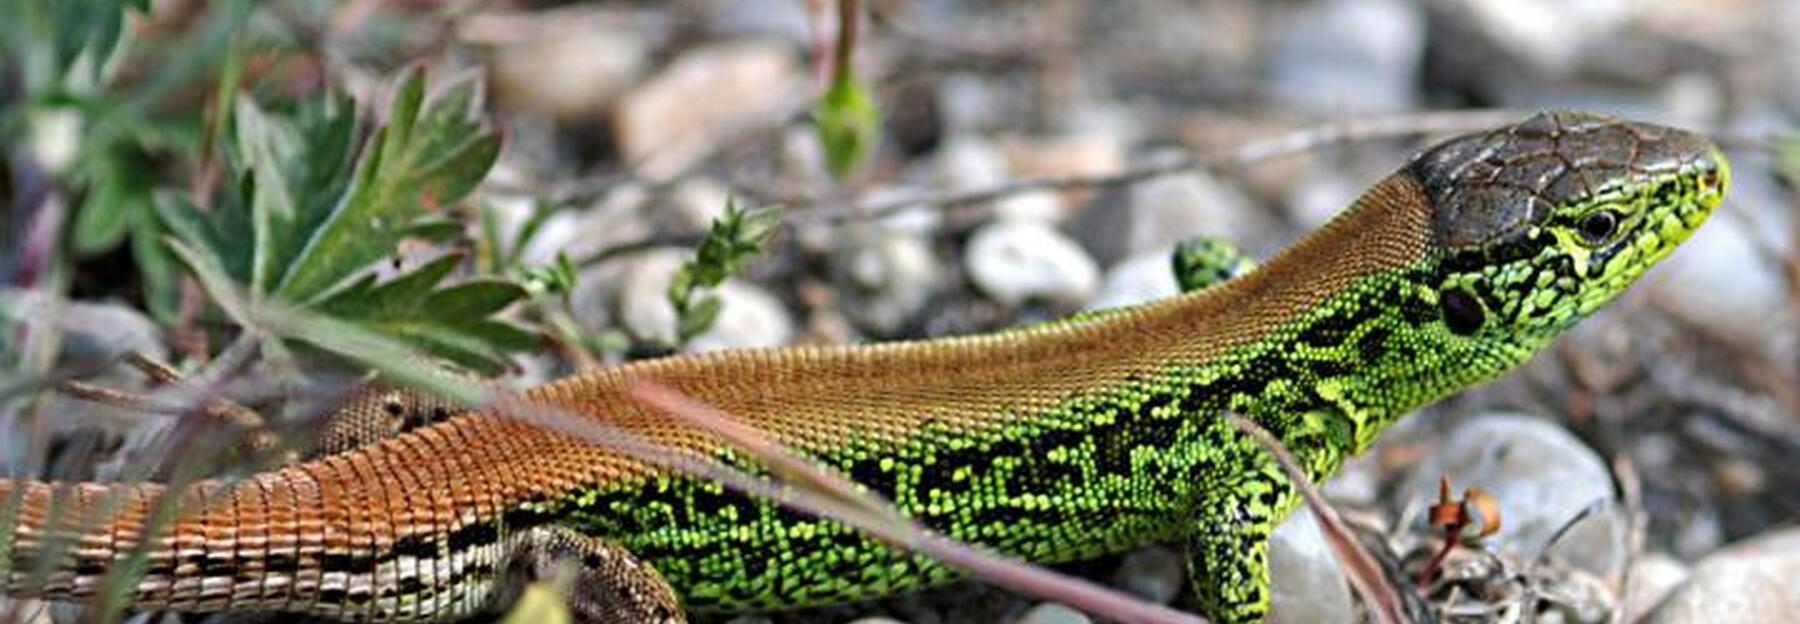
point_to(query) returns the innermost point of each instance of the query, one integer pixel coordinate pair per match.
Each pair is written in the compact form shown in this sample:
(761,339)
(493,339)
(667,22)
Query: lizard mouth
(1676,208)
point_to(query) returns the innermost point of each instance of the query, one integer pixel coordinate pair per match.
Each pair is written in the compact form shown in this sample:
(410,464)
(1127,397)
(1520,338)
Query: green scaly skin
(1461,265)
(1150,461)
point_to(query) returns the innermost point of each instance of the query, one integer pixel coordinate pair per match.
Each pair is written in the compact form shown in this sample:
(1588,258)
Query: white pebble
(1015,261)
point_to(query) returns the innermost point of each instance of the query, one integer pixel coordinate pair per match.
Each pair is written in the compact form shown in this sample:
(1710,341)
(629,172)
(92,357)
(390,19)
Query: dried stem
(1295,142)
(1365,575)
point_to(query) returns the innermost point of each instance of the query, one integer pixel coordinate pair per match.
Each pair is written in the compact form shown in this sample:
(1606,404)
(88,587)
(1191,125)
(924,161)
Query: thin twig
(1349,130)
(1365,575)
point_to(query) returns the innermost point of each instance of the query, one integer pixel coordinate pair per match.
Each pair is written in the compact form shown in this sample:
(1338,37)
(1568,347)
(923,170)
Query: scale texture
(1054,442)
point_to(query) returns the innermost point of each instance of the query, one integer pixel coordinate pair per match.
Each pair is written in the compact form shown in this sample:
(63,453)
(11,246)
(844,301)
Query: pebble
(770,18)
(969,161)
(697,201)
(1547,35)
(1306,584)
(1043,206)
(1137,279)
(1015,261)
(1153,573)
(1346,56)
(1653,577)
(1321,195)
(1745,291)
(892,274)
(643,303)
(570,65)
(801,159)
(749,317)
(1089,153)
(1541,476)
(1053,613)
(876,620)
(969,103)
(1757,580)
(707,93)
(1167,211)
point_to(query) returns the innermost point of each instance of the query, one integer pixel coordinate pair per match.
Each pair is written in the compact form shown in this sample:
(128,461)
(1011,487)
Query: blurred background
(943,168)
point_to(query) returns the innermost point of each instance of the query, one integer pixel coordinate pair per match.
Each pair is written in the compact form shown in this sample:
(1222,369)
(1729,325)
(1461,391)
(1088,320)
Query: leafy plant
(111,128)
(309,212)
(735,237)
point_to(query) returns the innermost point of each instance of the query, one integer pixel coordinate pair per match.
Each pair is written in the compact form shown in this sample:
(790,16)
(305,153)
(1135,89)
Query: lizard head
(1538,224)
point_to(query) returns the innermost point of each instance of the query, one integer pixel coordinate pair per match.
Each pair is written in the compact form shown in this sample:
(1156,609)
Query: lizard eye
(1599,226)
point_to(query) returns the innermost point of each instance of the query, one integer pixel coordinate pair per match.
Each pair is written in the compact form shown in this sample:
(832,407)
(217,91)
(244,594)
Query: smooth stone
(569,65)
(1053,613)
(1016,261)
(1746,293)
(891,275)
(643,304)
(1306,584)
(1168,210)
(1341,56)
(1089,153)
(676,118)
(696,202)
(969,103)
(768,18)
(749,317)
(969,161)
(1542,477)
(1549,36)
(1653,577)
(1138,279)
(1154,574)
(1320,196)
(1753,581)
(1044,206)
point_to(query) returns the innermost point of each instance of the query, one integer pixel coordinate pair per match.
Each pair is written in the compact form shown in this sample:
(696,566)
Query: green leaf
(699,317)
(848,125)
(475,298)
(397,297)
(105,217)
(119,187)
(211,273)
(436,229)
(456,173)
(429,154)
(452,322)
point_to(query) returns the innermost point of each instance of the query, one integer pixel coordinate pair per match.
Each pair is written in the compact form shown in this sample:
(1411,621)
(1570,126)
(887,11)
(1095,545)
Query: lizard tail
(210,547)
(273,541)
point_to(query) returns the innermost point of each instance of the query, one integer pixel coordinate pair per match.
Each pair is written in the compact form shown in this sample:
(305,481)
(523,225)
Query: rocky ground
(1645,466)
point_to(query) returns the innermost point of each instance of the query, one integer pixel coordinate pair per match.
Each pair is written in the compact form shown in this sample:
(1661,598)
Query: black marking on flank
(1462,312)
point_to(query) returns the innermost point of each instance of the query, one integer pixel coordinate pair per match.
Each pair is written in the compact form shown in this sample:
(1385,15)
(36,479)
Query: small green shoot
(735,237)
(847,120)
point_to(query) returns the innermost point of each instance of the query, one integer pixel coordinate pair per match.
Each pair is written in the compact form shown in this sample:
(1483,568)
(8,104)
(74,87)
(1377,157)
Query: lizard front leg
(1243,496)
